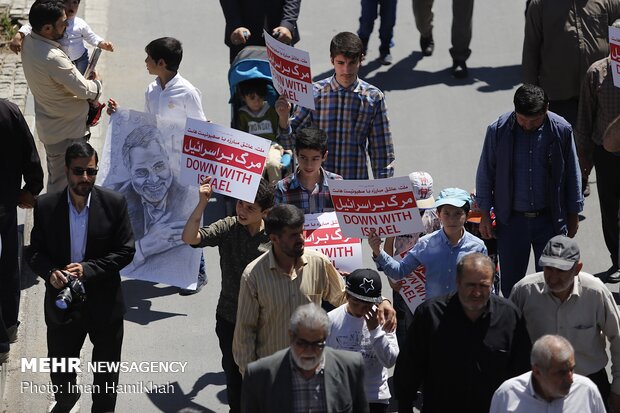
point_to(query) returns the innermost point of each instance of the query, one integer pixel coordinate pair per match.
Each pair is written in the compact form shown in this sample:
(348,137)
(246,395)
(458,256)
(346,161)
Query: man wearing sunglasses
(306,377)
(82,233)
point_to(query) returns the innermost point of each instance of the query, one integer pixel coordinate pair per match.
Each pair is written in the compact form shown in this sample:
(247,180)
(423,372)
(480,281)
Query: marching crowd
(488,337)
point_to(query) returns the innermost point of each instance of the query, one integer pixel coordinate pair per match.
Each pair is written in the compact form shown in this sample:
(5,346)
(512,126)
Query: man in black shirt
(461,347)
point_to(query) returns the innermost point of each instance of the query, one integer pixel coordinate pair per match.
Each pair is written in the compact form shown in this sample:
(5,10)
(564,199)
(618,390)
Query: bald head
(549,349)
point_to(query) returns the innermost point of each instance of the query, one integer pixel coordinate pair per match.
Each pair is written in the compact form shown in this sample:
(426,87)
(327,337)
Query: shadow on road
(177,401)
(138,294)
(403,76)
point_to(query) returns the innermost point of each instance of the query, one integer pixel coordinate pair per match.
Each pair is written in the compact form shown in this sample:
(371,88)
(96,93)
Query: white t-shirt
(378,349)
(178,100)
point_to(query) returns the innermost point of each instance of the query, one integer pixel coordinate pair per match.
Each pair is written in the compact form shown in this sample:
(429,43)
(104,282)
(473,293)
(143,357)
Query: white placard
(290,72)
(234,159)
(614,50)
(323,234)
(386,205)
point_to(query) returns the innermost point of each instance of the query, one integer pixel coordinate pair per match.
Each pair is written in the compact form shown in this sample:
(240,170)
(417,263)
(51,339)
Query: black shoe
(202,281)
(427,44)
(385,59)
(66,403)
(459,69)
(586,188)
(613,276)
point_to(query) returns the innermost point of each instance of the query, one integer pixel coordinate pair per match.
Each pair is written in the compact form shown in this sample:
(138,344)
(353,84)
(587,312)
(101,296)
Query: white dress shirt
(179,99)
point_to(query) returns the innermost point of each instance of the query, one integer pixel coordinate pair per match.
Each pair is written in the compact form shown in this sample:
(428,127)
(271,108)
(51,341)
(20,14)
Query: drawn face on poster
(142,163)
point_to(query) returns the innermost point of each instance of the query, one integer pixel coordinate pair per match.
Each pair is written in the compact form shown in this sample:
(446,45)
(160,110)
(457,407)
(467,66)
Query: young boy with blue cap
(439,251)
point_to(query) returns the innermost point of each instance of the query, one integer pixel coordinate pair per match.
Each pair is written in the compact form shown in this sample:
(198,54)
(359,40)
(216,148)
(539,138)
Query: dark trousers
(403,318)
(608,184)
(566,109)
(9,276)
(67,340)
(602,382)
(514,241)
(225,331)
(378,407)
(386,9)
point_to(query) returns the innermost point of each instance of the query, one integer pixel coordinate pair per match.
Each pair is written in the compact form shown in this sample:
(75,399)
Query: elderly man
(462,346)
(280,280)
(563,300)
(551,386)
(307,376)
(529,174)
(59,89)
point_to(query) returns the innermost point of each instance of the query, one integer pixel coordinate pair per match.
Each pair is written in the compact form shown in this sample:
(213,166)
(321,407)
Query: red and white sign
(323,234)
(413,287)
(290,72)
(233,158)
(386,206)
(614,51)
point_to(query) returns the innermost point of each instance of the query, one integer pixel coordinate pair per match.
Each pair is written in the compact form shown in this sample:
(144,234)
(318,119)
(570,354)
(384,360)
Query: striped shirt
(312,201)
(356,122)
(268,296)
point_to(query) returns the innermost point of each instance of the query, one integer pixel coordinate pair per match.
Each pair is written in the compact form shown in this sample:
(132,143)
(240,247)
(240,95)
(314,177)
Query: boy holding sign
(440,251)
(307,188)
(240,240)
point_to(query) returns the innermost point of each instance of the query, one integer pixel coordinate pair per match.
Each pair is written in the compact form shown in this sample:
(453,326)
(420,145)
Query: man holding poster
(599,105)
(352,112)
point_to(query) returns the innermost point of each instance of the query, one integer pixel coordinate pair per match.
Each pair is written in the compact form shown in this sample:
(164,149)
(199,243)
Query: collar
(171,82)
(488,311)
(445,239)
(296,183)
(273,264)
(532,392)
(37,36)
(260,113)
(86,207)
(161,206)
(576,287)
(333,83)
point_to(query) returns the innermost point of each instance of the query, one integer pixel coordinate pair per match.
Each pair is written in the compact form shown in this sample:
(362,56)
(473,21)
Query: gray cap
(560,252)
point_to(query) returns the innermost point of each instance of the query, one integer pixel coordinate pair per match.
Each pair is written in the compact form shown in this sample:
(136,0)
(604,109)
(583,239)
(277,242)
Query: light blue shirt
(439,257)
(78,224)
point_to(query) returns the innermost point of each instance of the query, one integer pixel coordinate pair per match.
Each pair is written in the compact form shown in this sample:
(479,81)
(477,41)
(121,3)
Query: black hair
(45,12)
(80,149)
(311,138)
(167,48)
(465,208)
(282,216)
(251,86)
(265,194)
(477,259)
(347,44)
(530,100)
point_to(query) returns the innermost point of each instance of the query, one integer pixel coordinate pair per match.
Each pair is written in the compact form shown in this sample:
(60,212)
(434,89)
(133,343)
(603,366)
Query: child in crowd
(170,96)
(307,188)
(399,246)
(440,251)
(355,327)
(72,43)
(240,240)
(259,118)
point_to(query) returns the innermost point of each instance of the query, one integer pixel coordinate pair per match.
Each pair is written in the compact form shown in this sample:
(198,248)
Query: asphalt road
(438,124)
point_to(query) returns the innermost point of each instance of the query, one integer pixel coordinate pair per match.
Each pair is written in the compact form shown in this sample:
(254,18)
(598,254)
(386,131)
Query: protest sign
(386,206)
(614,49)
(140,160)
(290,72)
(234,159)
(323,234)
(412,288)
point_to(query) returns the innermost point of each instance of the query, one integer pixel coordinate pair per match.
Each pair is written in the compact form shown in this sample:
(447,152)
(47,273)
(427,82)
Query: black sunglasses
(80,171)
(314,345)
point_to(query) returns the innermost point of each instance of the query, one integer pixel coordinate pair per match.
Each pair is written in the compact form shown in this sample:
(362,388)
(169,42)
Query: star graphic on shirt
(367,285)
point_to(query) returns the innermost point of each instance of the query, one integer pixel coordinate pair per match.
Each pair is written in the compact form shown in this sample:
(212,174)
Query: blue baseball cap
(453,196)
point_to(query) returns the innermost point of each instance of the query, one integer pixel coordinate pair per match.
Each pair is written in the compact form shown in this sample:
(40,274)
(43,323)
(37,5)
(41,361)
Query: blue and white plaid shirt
(312,200)
(356,122)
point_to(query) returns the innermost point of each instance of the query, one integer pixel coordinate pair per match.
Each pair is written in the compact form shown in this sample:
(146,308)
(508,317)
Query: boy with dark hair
(259,118)
(240,240)
(351,112)
(439,251)
(169,95)
(308,187)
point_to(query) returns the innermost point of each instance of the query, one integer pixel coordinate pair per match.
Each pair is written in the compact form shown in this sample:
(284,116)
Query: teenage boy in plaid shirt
(351,111)
(307,188)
